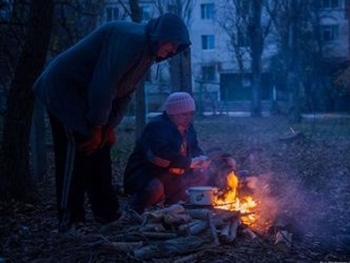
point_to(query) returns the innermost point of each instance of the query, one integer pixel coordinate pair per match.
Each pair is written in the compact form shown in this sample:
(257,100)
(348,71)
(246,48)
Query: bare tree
(140,96)
(242,21)
(296,27)
(15,180)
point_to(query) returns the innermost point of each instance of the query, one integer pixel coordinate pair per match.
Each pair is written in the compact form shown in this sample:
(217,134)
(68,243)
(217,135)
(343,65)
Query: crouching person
(166,159)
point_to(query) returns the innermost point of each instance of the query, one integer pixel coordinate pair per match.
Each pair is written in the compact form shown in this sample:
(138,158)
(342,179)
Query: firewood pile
(182,232)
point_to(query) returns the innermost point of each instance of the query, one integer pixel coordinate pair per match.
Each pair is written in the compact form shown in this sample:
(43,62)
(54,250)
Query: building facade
(220,57)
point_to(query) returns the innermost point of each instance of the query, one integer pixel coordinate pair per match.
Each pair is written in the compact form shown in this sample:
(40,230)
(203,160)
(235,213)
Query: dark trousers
(78,174)
(168,188)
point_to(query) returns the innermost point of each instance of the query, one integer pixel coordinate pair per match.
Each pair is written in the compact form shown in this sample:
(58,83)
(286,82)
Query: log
(153,227)
(199,213)
(249,233)
(159,235)
(229,232)
(283,240)
(170,248)
(213,229)
(176,219)
(194,227)
(158,215)
(226,215)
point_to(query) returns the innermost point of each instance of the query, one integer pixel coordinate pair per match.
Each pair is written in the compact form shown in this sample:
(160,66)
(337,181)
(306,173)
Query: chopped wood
(172,247)
(249,233)
(229,231)
(213,229)
(176,219)
(153,227)
(159,235)
(199,213)
(158,215)
(226,215)
(194,227)
(283,240)
(173,209)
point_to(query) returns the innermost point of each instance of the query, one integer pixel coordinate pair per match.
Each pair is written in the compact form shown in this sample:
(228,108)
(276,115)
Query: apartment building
(216,71)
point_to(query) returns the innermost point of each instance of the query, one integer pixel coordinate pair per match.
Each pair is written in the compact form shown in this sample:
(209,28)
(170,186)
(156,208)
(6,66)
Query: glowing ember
(229,200)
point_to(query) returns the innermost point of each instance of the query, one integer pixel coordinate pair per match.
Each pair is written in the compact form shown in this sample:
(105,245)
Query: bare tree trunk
(140,95)
(256,39)
(292,79)
(180,72)
(38,143)
(15,182)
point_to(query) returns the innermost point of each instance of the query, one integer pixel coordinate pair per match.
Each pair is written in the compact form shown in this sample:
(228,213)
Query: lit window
(208,42)
(208,73)
(207,11)
(330,32)
(112,13)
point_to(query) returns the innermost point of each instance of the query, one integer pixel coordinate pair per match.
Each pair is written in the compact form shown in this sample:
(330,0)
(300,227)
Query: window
(328,4)
(329,32)
(112,13)
(208,42)
(145,13)
(207,11)
(208,73)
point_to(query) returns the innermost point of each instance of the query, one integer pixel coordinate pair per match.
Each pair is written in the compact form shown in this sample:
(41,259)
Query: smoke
(311,213)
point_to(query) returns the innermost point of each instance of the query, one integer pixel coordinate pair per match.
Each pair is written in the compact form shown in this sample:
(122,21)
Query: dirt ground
(302,175)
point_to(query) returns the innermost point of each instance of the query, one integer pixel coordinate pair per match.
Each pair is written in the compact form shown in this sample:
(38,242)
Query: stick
(249,233)
(233,230)
(213,229)
(229,232)
(283,240)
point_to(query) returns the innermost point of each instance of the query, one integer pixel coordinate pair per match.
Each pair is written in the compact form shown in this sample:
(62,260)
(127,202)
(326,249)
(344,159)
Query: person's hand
(200,162)
(93,142)
(109,137)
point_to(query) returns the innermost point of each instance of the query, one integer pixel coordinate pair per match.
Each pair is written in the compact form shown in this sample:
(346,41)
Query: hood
(167,28)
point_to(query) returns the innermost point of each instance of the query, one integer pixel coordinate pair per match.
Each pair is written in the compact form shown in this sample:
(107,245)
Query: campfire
(214,216)
(230,200)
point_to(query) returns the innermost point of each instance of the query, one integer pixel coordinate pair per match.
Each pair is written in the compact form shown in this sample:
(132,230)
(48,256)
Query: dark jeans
(77,174)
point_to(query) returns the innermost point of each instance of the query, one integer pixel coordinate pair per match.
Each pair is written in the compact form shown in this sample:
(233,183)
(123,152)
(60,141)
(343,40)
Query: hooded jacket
(91,83)
(157,152)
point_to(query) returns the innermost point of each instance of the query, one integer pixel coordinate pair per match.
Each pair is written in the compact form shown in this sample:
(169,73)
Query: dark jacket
(91,83)
(157,152)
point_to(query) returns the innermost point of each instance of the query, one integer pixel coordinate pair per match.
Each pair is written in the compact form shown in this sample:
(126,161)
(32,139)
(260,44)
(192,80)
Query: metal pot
(202,195)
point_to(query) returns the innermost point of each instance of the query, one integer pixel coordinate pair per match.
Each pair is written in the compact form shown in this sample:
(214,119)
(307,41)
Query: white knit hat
(179,102)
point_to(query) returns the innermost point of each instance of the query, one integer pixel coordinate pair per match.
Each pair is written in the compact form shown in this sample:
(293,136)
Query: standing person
(166,159)
(86,90)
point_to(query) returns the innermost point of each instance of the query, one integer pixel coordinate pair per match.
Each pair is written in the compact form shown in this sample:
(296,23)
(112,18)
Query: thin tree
(15,180)
(247,31)
(140,96)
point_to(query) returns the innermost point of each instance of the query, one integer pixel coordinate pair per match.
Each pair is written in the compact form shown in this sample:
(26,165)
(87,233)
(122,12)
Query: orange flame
(230,200)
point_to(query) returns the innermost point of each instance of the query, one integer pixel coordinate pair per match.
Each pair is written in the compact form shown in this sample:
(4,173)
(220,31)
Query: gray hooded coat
(91,83)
